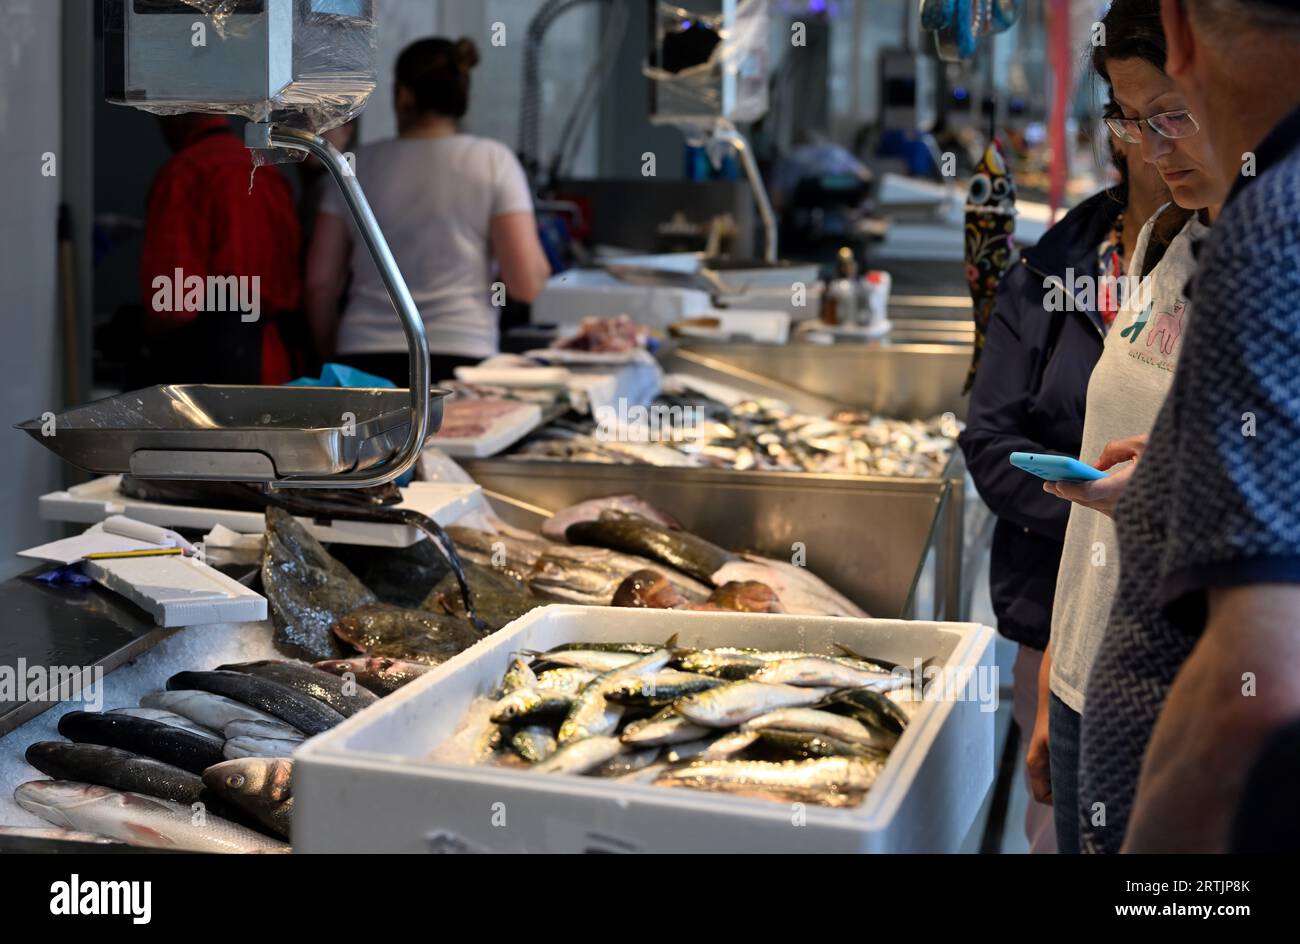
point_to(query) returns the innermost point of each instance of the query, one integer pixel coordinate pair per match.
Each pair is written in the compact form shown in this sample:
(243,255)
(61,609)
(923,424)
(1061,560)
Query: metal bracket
(263,136)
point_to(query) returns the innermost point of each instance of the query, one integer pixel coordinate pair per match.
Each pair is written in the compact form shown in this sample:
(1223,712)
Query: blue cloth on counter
(341,375)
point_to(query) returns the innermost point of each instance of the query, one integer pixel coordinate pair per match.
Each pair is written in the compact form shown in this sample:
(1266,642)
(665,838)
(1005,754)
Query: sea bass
(261,787)
(154,739)
(115,768)
(333,691)
(210,711)
(288,704)
(137,819)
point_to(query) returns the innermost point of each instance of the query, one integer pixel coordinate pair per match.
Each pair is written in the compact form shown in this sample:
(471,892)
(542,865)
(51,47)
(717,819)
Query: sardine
(593,713)
(814,721)
(626,763)
(666,727)
(518,676)
(659,688)
(873,709)
(579,757)
(828,781)
(115,768)
(594,660)
(826,673)
(566,681)
(261,787)
(738,702)
(807,744)
(534,743)
(731,743)
(529,706)
(137,819)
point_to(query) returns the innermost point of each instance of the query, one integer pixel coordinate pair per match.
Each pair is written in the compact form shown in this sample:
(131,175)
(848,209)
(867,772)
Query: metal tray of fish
(891,545)
(232,432)
(369,784)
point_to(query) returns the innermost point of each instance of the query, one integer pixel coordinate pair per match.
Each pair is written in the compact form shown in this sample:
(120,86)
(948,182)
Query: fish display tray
(233,432)
(444,502)
(368,785)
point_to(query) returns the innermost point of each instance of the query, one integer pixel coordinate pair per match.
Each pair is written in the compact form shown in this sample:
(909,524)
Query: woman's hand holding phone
(1104,494)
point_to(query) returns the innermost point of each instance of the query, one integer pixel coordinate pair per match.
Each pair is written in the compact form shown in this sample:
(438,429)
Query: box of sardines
(591,729)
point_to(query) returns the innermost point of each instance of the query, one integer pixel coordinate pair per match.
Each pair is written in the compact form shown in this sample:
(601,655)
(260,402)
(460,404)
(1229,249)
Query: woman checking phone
(1127,387)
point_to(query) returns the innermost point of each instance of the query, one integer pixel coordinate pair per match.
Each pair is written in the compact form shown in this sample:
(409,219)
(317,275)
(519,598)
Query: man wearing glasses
(1201,660)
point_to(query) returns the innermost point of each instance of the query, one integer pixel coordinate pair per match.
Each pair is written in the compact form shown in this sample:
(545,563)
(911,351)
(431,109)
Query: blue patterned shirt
(1215,501)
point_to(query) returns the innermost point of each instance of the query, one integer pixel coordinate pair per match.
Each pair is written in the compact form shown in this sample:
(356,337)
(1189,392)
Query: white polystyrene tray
(504,432)
(367,785)
(95,500)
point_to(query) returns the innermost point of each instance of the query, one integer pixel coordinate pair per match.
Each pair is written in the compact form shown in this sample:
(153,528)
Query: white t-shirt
(435,199)
(1125,392)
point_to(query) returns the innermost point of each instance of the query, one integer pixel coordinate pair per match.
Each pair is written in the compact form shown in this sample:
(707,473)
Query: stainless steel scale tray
(234,432)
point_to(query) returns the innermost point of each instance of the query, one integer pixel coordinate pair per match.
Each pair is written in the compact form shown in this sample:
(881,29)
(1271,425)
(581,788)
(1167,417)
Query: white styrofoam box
(368,785)
(178,591)
(764,326)
(580,293)
(95,500)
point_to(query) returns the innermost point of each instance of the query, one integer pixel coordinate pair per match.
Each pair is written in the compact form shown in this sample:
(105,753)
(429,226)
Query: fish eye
(235,781)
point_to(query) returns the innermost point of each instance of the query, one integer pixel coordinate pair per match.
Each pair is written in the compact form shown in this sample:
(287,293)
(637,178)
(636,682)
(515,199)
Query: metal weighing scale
(278,62)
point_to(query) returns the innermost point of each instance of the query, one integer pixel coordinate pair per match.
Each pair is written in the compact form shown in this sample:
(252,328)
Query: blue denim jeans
(1063,738)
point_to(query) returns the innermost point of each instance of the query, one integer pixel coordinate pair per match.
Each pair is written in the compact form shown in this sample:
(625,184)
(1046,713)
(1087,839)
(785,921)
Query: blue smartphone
(1055,468)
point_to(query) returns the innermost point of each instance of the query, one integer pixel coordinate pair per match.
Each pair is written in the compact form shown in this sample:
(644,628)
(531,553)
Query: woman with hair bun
(458,214)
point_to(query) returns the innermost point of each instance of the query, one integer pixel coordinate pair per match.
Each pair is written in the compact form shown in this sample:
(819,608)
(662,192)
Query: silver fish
(813,721)
(518,676)
(822,671)
(592,660)
(534,743)
(828,781)
(666,727)
(581,756)
(568,681)
(237,747)
(733,742)
(137,819)
(526,705)
(262,729)
(205,708)
(663,686)
(738,702)
(593,713)
(168,717)
(626,763)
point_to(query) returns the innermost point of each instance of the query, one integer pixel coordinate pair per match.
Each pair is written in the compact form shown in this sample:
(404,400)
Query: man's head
(1235,62)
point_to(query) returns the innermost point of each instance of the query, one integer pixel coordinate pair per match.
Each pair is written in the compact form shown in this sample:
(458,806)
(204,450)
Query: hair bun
(466,53)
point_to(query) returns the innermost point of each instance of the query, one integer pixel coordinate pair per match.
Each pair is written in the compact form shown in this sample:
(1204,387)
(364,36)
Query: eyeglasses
(1168,124)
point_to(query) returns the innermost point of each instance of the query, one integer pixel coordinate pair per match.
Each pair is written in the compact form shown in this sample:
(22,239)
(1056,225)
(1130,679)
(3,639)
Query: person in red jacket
(220,262)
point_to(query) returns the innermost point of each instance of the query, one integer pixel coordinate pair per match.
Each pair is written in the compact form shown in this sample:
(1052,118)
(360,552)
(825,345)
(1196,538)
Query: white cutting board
(178,591)
(504,432)
(95,500)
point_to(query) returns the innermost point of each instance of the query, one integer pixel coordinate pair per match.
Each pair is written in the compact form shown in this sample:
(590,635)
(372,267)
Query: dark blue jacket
(1029,396)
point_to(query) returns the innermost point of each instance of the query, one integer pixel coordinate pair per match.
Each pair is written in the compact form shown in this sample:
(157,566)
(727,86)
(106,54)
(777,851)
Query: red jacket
(204,220)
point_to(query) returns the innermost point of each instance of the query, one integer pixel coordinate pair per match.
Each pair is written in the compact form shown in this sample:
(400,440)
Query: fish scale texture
(1208,505)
